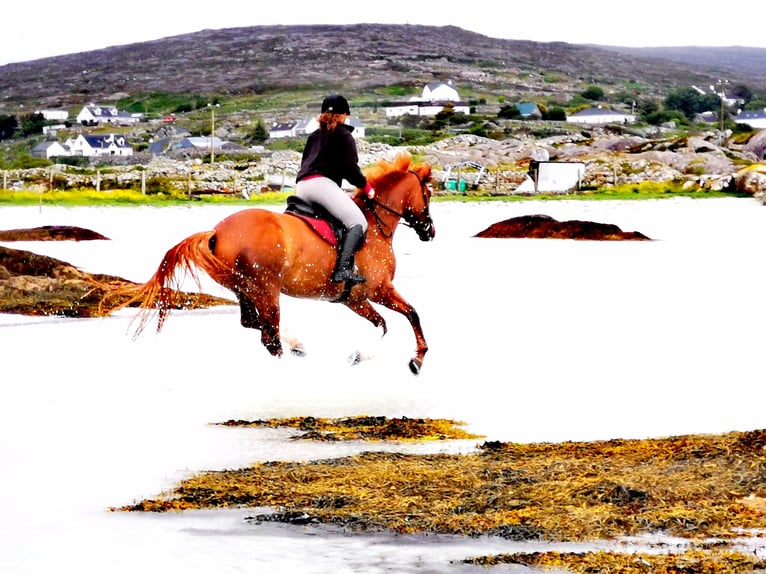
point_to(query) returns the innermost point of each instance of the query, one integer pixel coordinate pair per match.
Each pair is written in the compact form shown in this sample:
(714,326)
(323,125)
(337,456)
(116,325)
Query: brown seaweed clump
(699,487)
(38,285)
(689,486)
(371,428)
(707,561)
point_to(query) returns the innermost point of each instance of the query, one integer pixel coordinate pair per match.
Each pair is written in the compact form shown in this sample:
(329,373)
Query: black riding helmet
(335,104)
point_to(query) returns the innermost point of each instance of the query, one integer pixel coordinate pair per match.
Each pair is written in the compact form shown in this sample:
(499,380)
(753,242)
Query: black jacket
(332,153)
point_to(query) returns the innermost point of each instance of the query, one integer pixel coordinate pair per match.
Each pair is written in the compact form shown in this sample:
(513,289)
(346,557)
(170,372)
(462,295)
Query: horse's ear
(424,171)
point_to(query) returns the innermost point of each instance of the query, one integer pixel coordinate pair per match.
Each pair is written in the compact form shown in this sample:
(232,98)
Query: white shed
(49,149)
(601,115)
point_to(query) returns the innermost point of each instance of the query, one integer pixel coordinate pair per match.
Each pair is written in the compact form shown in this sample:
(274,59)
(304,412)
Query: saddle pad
(320,226)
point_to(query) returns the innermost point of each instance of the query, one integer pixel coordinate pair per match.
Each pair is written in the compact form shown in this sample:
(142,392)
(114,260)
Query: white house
(440,92)
(91,146)
(307,126)
(432,101)
(51,131)
(54,115)
(49,149)
(552,177)
(92,114)
(754,118)
(601,115)
(360,130)
(282,130)
(727,101)
(199,143)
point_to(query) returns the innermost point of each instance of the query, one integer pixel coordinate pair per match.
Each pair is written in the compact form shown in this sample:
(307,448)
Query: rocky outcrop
(752,180)
(614,155)
(50,233)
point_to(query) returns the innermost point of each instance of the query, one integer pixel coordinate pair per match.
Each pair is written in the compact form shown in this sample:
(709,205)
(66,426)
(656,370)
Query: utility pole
(212,132)
(721,96)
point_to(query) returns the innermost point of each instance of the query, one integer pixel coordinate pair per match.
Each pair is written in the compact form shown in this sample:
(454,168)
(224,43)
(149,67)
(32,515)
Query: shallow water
(531,340)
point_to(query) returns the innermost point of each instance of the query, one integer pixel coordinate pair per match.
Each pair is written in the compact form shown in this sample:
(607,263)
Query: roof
(282,126)
(45,145)
(199,142)
(752,115)
(104,141)
(102,110)
(302,124)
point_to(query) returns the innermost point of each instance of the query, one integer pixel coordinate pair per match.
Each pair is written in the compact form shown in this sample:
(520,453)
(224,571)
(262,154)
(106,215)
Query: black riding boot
(344,266)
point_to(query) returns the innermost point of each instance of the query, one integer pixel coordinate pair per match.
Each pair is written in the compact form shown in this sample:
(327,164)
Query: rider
(329,157)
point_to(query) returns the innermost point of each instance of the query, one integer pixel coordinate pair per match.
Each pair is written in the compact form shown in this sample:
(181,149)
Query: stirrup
(348,275)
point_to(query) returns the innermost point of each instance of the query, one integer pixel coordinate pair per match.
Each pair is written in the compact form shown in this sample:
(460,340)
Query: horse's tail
(162,291)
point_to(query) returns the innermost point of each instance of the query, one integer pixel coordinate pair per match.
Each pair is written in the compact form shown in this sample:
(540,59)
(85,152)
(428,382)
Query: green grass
(85,197)
(130,197)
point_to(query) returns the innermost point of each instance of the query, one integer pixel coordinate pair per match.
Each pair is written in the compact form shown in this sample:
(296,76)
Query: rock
(543,226)
(757,145)
(752,180)
(50,233)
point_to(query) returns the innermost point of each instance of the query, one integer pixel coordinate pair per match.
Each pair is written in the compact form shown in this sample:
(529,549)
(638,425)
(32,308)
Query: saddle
(318,218)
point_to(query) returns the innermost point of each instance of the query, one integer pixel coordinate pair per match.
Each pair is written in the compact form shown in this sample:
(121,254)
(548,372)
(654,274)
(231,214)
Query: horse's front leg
(394,301)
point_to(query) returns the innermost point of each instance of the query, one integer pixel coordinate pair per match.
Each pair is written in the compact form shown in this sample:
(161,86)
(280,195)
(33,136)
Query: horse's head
(418,213)
(403,190)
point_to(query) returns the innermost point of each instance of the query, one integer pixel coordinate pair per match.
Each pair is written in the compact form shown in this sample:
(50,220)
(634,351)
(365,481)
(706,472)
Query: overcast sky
(39,33)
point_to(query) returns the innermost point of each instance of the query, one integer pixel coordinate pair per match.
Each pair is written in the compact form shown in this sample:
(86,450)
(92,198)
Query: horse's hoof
(298,351)
(415,365)
(355,358)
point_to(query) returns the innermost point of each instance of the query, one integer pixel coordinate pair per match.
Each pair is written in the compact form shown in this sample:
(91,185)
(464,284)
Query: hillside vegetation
(373,60)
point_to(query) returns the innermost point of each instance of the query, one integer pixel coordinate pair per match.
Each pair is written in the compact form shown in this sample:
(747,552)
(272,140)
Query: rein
(399,215)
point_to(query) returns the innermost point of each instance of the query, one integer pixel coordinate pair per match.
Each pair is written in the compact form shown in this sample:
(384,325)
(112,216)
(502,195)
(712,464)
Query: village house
(307,126)
(201,143)
(54,115)
(282,130)
(91,115)
(708,117)
(601,115)
(432,101)
(49,149)
(756,119)
(98,145)
(52,130)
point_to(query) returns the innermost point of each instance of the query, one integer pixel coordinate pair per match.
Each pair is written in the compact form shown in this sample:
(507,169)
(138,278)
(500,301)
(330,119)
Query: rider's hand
(369,191)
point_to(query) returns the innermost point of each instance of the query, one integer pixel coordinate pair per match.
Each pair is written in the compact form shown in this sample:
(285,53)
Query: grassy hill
(277,67)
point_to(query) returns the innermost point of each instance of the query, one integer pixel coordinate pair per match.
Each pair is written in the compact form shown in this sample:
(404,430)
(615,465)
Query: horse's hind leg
(248,314)
(248,318)
(262,313)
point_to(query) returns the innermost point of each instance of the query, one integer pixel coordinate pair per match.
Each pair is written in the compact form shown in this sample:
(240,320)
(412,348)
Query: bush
(593,93)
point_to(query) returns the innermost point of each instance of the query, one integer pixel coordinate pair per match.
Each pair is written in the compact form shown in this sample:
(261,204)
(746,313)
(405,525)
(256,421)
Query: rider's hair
(329,120)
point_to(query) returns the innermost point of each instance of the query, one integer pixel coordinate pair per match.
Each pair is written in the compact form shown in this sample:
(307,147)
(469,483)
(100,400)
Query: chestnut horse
(260,254)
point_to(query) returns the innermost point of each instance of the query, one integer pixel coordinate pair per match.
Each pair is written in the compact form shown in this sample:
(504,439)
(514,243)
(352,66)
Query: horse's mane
(376,172)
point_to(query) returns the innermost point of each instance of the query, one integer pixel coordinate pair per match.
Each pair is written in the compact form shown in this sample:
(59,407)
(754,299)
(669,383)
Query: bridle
(422,226)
